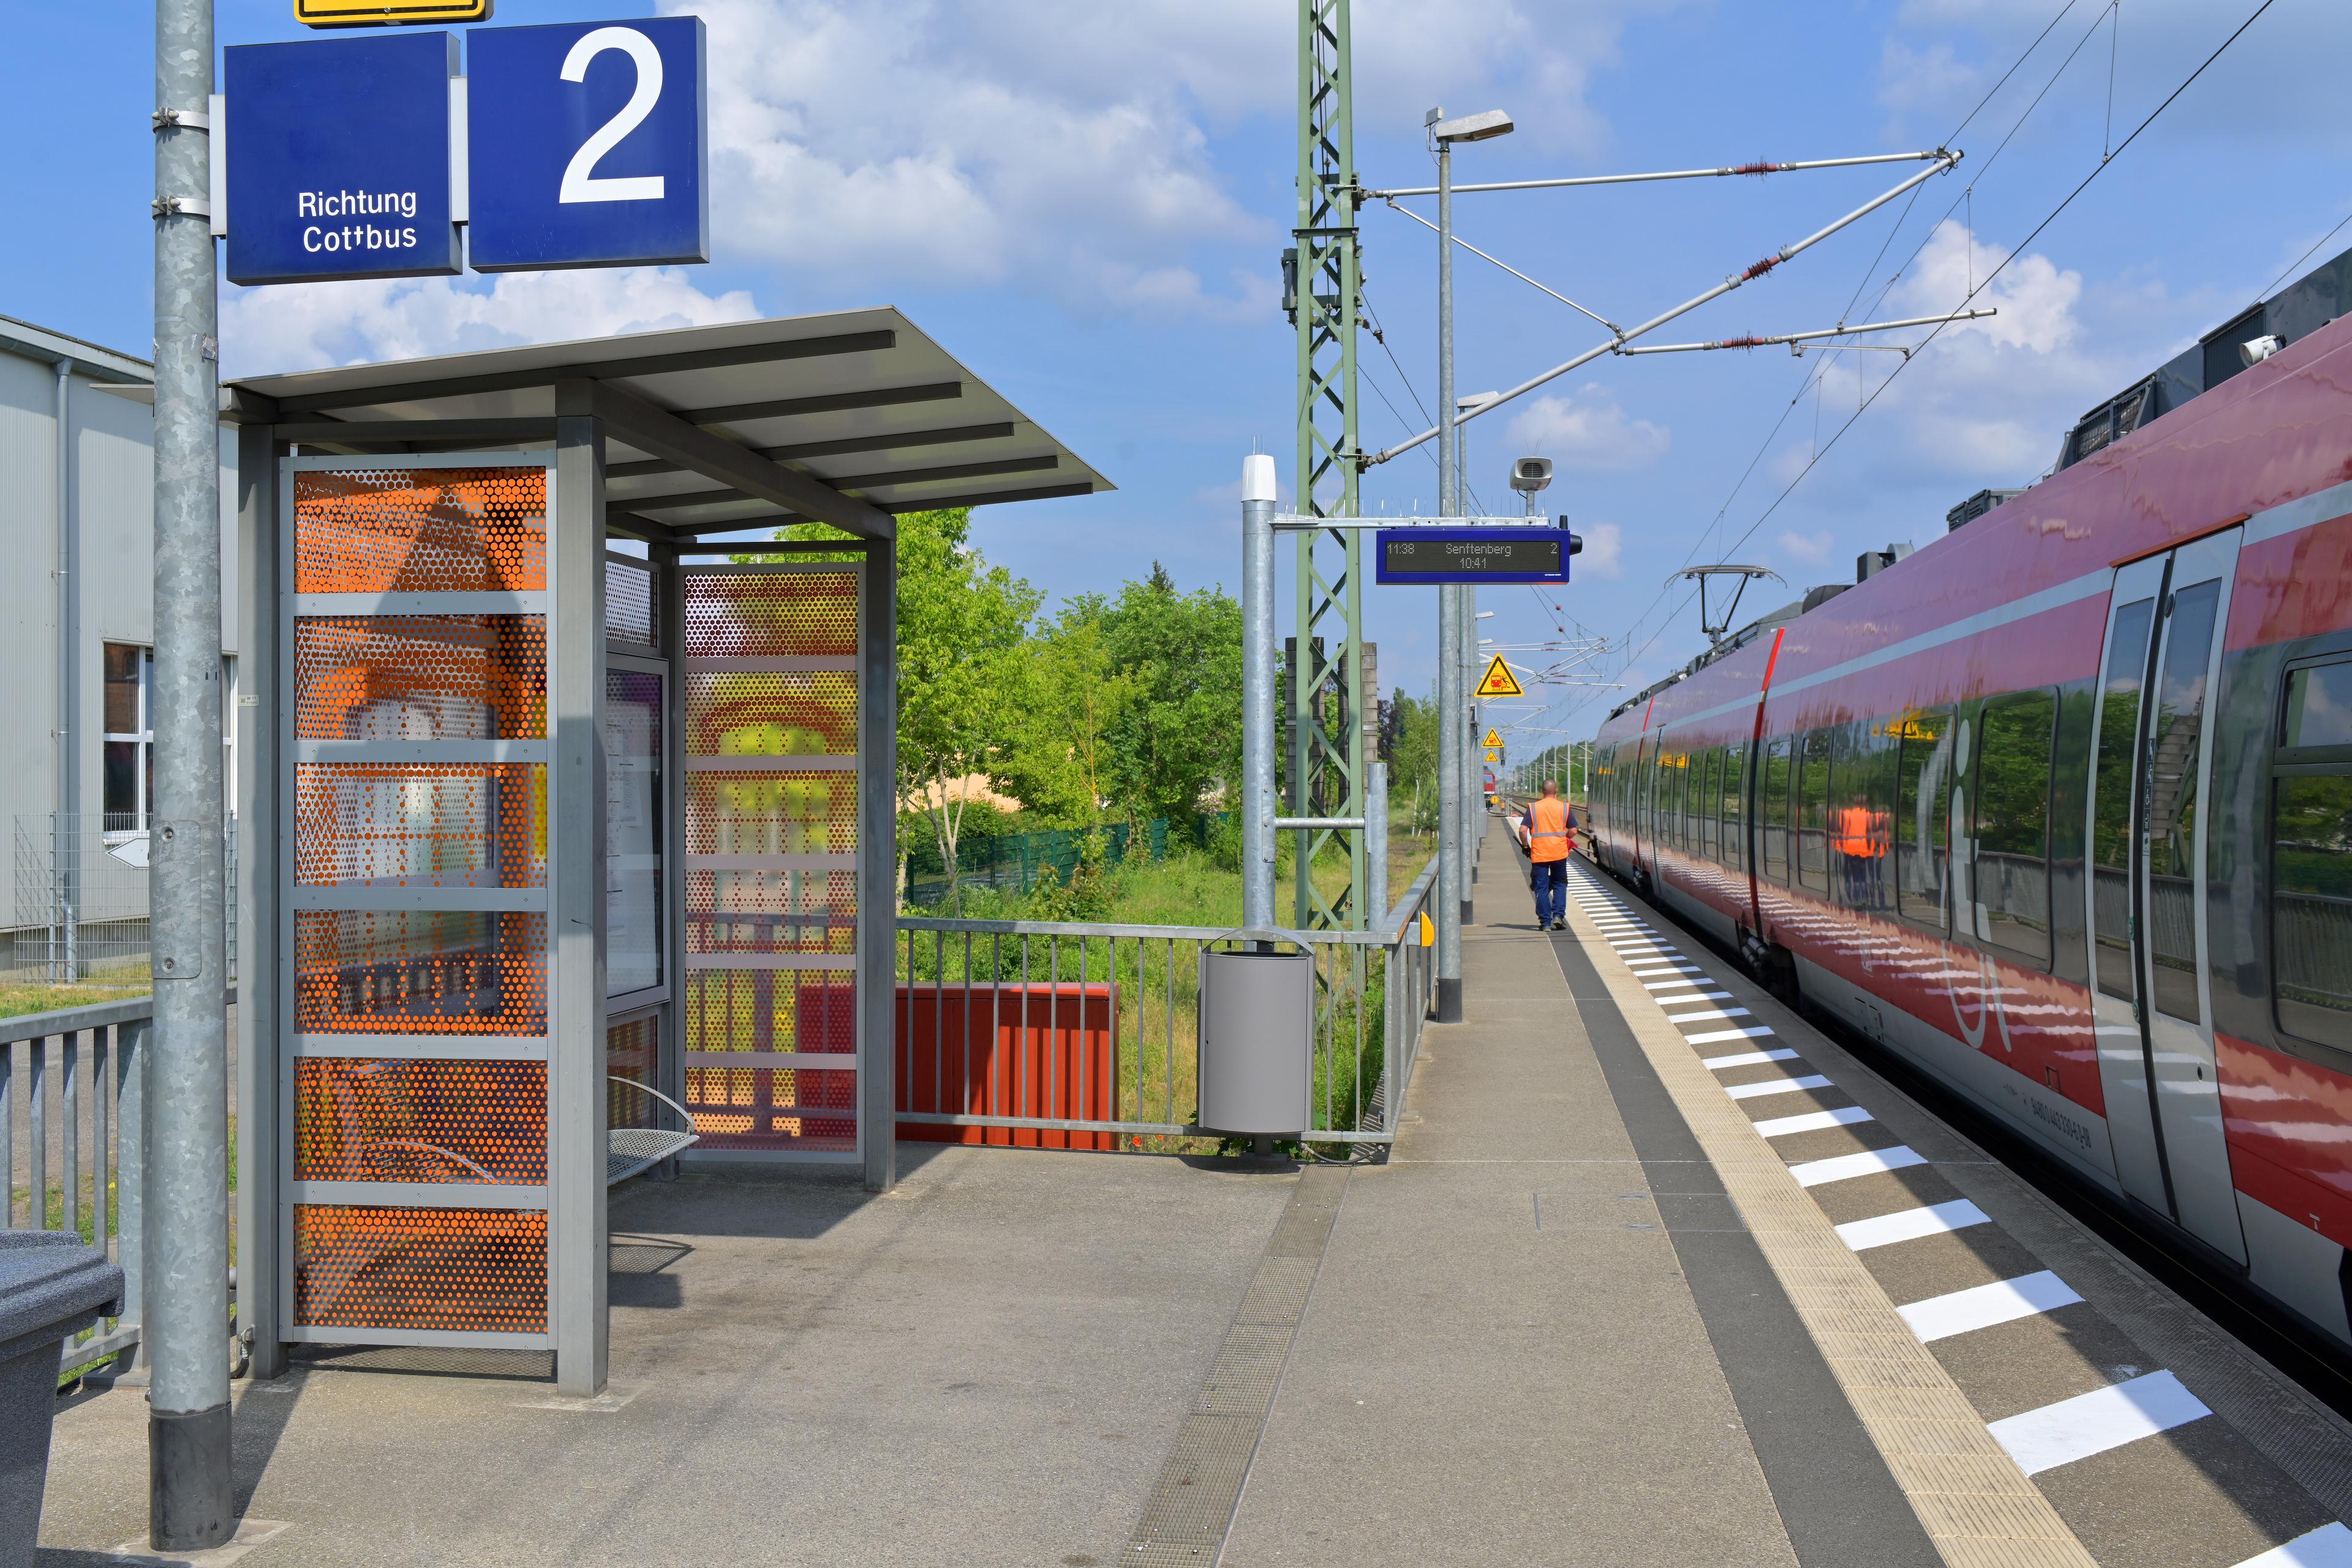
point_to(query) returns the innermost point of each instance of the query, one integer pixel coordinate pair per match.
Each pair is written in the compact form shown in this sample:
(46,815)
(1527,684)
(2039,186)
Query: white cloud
(1812,547)
(1603,552)
(1985,403)
(1585,430)
(1063,144)
(304,326)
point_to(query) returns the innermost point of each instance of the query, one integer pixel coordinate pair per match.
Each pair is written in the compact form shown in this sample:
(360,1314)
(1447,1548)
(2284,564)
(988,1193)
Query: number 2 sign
(586,145)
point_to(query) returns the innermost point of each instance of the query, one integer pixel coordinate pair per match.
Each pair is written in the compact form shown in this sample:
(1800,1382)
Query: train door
(2152,777)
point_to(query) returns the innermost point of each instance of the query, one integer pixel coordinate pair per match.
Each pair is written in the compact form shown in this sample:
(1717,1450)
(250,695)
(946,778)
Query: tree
(963,624)
(1180,733)
(1077,696)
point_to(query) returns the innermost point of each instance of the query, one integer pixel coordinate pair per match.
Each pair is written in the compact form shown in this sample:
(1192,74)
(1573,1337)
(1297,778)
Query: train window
(1733,837)
(2318,707)
(2170,832)
(1772,806)
(2111,893)
(1862,759)
(1705,787)
(1923,814)
(1813,812)
(2311,859)
(2012,821)
(1670,794)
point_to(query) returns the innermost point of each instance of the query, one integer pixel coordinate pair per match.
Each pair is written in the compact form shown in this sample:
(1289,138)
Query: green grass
(20,998)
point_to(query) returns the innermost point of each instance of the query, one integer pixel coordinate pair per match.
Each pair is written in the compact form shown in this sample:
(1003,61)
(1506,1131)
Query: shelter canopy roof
(709,429)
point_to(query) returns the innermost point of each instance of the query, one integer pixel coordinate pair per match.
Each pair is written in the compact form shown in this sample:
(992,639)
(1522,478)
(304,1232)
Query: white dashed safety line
(1982,1307)
(2095,1422)
(2037,1439)
(2330,1546)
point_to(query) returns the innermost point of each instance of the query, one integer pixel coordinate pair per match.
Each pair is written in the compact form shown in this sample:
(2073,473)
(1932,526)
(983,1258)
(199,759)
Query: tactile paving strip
(1191,1508)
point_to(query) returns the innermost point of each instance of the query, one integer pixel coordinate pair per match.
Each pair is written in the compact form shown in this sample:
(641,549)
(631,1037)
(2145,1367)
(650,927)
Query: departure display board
(1450,555)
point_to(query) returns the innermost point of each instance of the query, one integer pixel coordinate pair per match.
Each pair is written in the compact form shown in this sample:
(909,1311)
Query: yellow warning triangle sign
(1494,754)
(1498,681)
(1494,738)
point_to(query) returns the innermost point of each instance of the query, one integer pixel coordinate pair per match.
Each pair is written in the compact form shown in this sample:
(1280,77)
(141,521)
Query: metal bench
(633,1151)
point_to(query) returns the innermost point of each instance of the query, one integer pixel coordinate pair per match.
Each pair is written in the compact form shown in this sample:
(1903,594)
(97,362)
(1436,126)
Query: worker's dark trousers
(1550,880)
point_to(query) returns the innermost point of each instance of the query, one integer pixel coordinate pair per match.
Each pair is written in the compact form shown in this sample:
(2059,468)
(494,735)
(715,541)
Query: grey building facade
(77,631)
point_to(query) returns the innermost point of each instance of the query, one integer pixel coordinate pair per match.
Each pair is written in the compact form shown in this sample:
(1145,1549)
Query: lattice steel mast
(1324,701)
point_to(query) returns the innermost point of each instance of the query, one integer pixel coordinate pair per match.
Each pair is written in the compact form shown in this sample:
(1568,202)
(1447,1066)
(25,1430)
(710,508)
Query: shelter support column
(575,822)
(264,819)
(878,858)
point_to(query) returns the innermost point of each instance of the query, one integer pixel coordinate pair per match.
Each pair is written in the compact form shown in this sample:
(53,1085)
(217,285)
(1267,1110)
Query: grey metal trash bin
(50,1286)
(1257,1041)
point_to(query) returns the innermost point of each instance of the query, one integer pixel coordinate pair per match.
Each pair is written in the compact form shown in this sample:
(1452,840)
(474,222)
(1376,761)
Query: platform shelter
(567,838)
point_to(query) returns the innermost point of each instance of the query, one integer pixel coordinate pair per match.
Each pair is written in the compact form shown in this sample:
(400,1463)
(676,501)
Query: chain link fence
(79,912)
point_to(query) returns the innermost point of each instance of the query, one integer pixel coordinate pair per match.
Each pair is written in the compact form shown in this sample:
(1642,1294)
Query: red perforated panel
(731,714)
(421,824)
(465,1269)
(420,678)
(412,972)
(730,615)
(373,531)
(366,1121)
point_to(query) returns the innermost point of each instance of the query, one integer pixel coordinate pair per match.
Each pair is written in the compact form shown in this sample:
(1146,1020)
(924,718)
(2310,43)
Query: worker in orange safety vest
(1549,828)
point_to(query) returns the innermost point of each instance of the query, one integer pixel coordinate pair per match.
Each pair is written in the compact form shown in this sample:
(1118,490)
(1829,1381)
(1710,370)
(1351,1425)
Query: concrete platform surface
(987,1366)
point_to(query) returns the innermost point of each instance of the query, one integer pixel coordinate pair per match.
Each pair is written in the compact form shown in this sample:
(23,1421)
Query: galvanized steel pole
(186,1324)
(1376,843)
(1257,802)
(1451,884)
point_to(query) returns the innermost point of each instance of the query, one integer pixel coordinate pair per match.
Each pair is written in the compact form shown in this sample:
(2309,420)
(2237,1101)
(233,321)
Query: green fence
(1016,862)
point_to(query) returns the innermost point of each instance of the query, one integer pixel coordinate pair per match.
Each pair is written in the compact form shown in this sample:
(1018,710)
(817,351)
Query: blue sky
(1086,204)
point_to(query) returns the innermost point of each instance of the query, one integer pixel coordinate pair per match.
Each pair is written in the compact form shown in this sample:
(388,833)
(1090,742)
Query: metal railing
(71,1102)
(1102,1020)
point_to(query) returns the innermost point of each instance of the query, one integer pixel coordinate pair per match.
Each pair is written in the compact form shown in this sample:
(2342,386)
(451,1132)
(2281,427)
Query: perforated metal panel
(420,1269)
(366,529)
(769,715)
(416,1167)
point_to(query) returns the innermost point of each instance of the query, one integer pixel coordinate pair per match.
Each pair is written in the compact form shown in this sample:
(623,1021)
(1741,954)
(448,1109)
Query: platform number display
(586,145)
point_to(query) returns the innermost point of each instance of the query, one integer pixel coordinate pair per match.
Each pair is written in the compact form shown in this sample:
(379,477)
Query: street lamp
(1452,618)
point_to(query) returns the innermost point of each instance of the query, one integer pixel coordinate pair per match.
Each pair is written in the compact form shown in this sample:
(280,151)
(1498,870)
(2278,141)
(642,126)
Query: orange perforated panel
(368,1120)
(631,1052)
(420,678)
(418,971)
(375,530)
(771,814)
(463,1269)
(733,714)
(424,824)
(731,616)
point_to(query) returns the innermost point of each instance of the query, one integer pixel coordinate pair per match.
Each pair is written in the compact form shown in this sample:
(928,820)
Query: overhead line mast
(1325,691)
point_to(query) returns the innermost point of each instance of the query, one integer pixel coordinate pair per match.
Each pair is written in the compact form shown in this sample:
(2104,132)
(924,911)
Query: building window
(129,741)
(128,790)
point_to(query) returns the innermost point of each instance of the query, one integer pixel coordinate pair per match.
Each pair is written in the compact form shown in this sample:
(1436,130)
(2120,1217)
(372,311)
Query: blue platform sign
(338,158)
(1427,555)
(587,144)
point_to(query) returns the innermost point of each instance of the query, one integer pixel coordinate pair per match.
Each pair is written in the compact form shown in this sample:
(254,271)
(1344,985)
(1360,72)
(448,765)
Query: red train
(2059,808)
